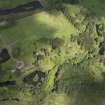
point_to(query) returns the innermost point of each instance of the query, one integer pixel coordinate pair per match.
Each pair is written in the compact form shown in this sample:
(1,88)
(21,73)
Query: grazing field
(28,29)
(53,56)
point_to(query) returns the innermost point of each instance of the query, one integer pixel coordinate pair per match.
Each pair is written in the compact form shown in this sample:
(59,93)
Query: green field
(40,25)
(62,44)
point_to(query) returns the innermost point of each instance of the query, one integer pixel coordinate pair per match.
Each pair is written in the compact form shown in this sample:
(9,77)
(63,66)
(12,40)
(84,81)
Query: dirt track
(22,8)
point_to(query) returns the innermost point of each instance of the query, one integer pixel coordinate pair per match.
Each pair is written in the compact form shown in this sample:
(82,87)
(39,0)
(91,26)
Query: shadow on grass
(81,87)
(96,7)
(91,93)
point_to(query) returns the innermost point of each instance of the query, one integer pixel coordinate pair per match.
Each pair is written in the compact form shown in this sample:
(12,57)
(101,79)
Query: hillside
(52,54)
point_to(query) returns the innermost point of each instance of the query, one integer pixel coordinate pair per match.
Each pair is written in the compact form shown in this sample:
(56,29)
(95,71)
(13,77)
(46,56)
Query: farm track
(34,5)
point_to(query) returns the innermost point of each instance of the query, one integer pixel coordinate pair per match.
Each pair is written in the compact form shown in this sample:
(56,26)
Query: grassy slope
(28,29)
(43,24)
(12,3)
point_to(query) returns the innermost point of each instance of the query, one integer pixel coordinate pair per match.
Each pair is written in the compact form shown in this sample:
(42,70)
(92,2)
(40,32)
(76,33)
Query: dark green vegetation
(55,56)
(12,3)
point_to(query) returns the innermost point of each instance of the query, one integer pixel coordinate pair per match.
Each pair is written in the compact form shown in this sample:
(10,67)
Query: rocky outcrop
(4,55)
(35,78)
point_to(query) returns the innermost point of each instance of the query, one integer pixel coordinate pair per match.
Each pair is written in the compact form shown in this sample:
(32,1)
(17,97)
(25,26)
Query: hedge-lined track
(34,5)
